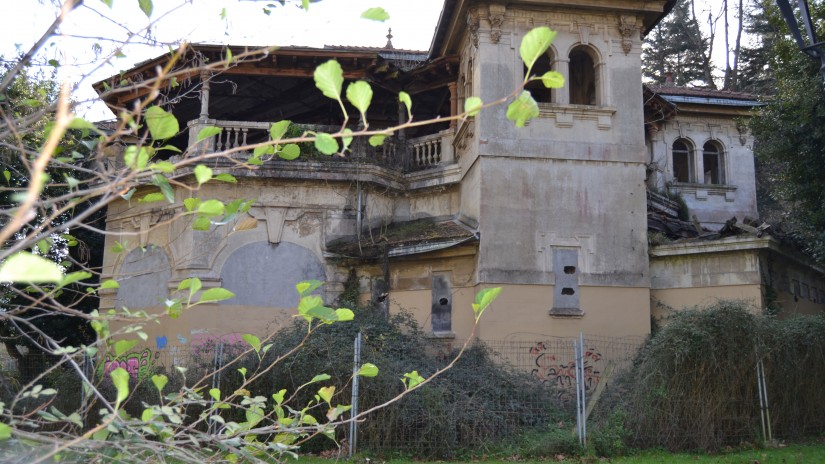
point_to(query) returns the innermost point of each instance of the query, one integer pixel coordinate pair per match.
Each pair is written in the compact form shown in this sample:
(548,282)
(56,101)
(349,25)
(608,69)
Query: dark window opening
(443,301)
(582,80)
(536,88)
(569,269)
(568,291)
(712,164)
(682,165)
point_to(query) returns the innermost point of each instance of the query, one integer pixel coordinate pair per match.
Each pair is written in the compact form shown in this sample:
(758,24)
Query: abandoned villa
(573,215)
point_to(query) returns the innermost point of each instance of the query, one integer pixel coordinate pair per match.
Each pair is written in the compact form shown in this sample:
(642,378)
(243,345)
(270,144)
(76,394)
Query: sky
(93,30)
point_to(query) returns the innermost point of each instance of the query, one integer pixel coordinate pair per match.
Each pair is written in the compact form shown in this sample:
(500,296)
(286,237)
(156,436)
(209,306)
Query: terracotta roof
(404,238)
(701,92)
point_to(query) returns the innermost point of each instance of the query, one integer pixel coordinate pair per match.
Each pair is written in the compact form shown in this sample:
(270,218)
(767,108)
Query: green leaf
(326,393)
(472,106)
(109,284)
(28,268)
(359,94)
(522,109)
(319,378)
(412,379)
(208,131)
(163,166)
(261,151)
(201,223)
(162,124)
(147,415)
(73,277)
(326,144)
(278,129)
(101,435)
(81,124)
(122,346)
(344,314)
(290,151)
(308,302)
(7,175)
(376,14)
(253,341)
(136,158)
(118,247)
(152,197)
(215,393)
(226,178)
(146,7)
(174,308)
(368,370)
(215,294)
(483,300)
(552,80)
(305,4)
(163,184)
(191,204)
(404,97)
(377,140)
(279,397)
(5,431)
(329,77)
(160,381)
(108,2)
(346,139)
(326,315)
(202,174)
(534,44)
(211,208)
(120,378)
(308,286)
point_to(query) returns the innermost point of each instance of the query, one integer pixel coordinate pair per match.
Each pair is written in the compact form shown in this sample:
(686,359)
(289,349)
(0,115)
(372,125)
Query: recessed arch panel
(143,278)
(265,274)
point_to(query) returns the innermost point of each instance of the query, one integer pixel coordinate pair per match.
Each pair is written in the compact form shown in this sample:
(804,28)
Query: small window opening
(582,80)
(569,269)
(443,301)
(682,171)
(568,291)
(712,164)
(536,88)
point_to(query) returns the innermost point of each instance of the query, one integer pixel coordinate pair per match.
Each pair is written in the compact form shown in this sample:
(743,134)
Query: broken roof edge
(419,236)
(733,244)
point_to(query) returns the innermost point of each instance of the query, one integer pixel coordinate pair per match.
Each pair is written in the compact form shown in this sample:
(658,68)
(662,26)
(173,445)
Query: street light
(814,48)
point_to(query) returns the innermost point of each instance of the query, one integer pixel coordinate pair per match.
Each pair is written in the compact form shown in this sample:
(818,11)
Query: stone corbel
(472,27)
(628,30)
(496,19)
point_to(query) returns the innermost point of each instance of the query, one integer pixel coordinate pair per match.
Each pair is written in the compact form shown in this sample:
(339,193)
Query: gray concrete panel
(263,274)
(143,278)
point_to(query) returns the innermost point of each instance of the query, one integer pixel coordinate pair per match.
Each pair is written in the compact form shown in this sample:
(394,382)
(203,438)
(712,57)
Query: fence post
(353,425)
(581,417)
(217,364)
(764,412)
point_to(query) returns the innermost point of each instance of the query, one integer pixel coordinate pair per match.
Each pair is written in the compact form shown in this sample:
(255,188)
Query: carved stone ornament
(627,29)
(496,21)
(472,27)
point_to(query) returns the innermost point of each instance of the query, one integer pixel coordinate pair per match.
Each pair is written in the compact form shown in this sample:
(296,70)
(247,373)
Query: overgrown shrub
(694,384)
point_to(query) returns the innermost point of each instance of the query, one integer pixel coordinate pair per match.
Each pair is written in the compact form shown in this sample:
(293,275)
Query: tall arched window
(536,88)
(584,79)
(682,162)
(713,163)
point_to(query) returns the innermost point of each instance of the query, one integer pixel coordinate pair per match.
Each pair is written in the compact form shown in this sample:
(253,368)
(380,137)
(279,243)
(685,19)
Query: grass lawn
(791,454)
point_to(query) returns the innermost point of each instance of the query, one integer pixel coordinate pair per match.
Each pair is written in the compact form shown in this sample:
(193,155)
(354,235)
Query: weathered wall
(712,204)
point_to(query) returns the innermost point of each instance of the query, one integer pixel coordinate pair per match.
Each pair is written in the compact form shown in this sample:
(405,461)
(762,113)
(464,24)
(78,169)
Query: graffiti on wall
(138,364)
(562,373)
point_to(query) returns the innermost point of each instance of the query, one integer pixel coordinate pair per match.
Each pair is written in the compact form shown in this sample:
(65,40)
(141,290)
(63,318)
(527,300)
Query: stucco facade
(556,212)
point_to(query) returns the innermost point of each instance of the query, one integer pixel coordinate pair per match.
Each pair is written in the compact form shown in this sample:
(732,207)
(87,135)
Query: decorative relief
(472,27)
(496,19)
(628,30)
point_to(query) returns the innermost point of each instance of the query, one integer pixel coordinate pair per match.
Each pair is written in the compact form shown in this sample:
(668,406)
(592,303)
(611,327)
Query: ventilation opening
(568,291)
(443,301)
(569,269)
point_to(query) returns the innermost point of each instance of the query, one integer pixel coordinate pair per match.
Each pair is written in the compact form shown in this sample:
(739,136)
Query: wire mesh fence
(498,390)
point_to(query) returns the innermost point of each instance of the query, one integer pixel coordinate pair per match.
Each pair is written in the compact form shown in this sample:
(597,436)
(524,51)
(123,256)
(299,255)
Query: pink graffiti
(552,372)
(138,365)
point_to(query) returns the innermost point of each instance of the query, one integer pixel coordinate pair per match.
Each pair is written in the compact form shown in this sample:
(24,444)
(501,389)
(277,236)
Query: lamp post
(815,48)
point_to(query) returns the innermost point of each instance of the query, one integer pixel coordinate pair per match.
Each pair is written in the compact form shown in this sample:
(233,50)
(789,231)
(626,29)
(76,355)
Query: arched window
(713,163)
(583,80)
(537,89)
(682,162)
